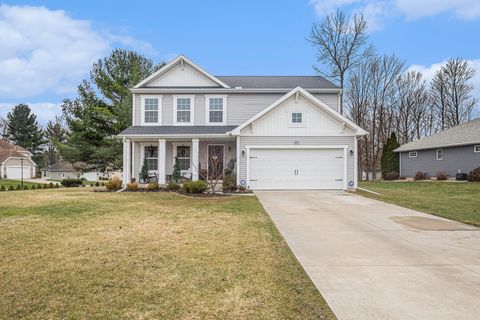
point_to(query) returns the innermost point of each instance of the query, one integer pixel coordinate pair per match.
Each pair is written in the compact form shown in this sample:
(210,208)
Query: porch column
(126,161)
(162,160)
(195,164)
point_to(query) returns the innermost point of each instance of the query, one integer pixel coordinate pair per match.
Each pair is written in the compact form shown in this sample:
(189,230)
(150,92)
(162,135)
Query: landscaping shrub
(50,185)
(33,187)
(97,184)
(420,176)
(11,188)
(19,187)
(198,186)
(242,188)
(153,186)
(173,186)
(45,186)
(474,175)
(71,182)
(390,160)
(2,188)
(392,175)
(441,175)
(132,186)
(229,183)
(25,187)
(57,185)
(114,184)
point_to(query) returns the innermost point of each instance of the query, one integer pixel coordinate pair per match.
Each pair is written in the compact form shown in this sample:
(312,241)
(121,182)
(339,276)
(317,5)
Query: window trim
(436,154)
(174,152)
(292,124)
(476,148)
(207,109)
(192,110)
(142,108)
(412,156)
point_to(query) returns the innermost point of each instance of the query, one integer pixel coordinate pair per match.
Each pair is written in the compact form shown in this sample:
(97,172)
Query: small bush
(420,176)
(153,186)
(474,175)
(392,176)
(132,186)
(173,186)
(19,187)
(11,188)
(229,183)
(97,184)
(2,188)
(57,185)
(50,185)
(103,184)
(45,186)
(114,184)
(242,189)
(441,175)
(71,182)
(25,187)
(198,186)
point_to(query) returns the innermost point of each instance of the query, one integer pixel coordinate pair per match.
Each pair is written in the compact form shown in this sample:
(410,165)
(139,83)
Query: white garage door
(296,169)
(16,172)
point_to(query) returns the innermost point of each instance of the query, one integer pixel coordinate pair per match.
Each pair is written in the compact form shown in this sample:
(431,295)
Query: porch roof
(176,130)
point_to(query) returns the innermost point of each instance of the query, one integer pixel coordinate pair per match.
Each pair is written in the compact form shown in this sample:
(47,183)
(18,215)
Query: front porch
(197,157)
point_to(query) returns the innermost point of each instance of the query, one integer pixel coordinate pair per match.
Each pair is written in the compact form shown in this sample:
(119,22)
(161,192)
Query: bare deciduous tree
(212,167)
(342,45)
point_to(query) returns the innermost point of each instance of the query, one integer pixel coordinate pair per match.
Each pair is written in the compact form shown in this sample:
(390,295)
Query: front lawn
(451,200)
(73,253)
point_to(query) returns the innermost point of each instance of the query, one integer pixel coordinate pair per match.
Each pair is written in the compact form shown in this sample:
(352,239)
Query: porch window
(183,110)
(216,109)
(151,155)
(151,110)
(183,157)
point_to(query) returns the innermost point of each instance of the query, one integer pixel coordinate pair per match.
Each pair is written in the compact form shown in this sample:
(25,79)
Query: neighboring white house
(65,170)
(282,132)
(15,162)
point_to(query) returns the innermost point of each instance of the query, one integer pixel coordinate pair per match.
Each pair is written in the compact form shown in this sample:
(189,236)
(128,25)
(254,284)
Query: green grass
(75,254)
(14,183)
(451,200)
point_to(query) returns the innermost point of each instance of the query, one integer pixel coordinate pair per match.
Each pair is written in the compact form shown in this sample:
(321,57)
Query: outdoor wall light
(351,153)
(243,153)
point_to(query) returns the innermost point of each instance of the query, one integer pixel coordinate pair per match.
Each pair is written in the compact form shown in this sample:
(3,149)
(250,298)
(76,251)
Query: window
(183,112)
(183,157)
(439,154)
(151,155)
(412,154)
(216,109)
(476,148)
(296,117)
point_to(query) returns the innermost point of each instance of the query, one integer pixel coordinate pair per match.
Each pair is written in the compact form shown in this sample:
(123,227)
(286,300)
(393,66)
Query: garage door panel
(16,172)
(296,168)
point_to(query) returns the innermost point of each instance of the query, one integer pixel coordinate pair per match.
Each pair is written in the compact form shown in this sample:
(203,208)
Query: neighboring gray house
(282,132)
(451,151)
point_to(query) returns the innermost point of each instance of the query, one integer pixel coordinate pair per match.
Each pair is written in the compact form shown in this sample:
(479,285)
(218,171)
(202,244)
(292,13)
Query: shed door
(277,169)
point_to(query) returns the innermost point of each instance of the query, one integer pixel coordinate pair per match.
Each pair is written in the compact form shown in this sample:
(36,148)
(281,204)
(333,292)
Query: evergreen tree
(23,130)
(390,160)
(55,134)
(95,121)
(176,171)
(144,170)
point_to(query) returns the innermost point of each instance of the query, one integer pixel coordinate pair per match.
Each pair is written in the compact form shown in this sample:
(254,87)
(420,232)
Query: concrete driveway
(372,260)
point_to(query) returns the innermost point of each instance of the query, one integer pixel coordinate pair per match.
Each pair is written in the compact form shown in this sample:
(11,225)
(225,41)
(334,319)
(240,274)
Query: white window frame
(297,124)
(411,154)
(182,144)
(436,153)
(192,110)
(142,155)
(476,148)
(207,110)
(142,116)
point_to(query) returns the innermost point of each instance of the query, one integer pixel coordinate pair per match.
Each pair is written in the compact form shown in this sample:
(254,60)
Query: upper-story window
(216,109)
(151,110)
(296,119)
(439,154)
(476,148)
(412,154)
(183,110)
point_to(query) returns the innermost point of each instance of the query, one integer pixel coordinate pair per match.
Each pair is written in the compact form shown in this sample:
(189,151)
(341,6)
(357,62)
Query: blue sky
(47,47)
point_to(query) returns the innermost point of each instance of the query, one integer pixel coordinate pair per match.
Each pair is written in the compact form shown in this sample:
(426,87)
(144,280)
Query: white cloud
(47,51)
(44,111)
(377,11)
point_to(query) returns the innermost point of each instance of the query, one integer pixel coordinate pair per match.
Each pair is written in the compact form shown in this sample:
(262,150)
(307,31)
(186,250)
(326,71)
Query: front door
(215,161)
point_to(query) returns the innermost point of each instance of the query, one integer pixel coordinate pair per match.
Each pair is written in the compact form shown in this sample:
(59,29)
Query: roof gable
(296,94)
(181,72)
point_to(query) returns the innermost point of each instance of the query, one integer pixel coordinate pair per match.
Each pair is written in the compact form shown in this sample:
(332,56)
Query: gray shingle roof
(277,82)
(185,130)
(464,134)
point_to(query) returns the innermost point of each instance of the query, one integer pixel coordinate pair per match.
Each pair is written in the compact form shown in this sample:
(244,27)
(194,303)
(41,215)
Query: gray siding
(347,140)
(240,106)
(454,158)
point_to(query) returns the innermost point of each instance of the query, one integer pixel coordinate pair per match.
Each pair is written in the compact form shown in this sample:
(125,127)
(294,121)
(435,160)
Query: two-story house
(282,132)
